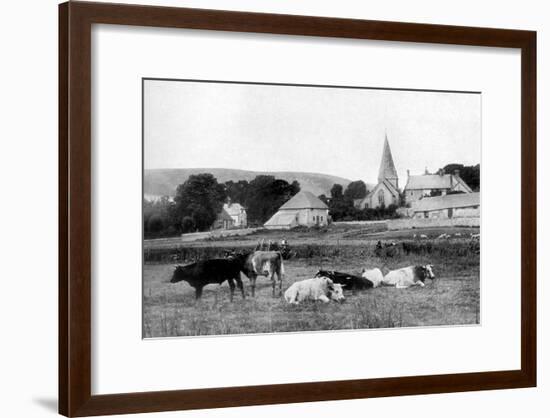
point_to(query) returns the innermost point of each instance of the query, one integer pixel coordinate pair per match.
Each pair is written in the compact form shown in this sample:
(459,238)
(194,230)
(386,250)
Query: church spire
(387,168)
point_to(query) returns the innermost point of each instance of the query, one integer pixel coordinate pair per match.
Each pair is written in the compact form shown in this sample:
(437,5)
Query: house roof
(434,181)
(233,209)
(286,218)
(224,216)
(304,200)
(387,167)
(459,200)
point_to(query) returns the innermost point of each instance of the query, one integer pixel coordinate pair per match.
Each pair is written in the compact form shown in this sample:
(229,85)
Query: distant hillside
(163,182)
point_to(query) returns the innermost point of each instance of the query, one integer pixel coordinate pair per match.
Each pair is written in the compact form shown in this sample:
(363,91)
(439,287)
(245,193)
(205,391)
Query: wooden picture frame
(75,61)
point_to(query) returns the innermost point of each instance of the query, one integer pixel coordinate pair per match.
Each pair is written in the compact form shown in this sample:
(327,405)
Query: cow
(262,263)
(206,272)
(349,281)
(475,236)
(444,236)
(375,276)
(318,288)
(409,276)
(423,236)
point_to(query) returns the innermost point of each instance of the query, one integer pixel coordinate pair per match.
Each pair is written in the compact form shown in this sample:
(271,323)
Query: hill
(163,182)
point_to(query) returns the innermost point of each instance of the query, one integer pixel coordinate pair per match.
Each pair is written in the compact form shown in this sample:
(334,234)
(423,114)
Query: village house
(237,213)
(386,192)
(460,205)
(223,221)
(303,209)
(427,184)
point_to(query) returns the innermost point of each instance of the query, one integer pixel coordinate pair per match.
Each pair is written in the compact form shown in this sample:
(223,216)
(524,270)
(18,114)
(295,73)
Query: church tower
(387,168)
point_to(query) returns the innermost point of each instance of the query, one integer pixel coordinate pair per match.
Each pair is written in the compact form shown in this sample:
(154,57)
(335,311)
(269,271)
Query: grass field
(453,299)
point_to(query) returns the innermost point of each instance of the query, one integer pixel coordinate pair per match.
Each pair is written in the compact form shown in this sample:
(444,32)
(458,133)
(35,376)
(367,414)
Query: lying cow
(409,276)
(262,263)
(375,276)
(349,281)
(318,288)
(207,272)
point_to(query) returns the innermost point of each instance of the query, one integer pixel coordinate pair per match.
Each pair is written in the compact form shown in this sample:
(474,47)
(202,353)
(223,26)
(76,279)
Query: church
(386,192)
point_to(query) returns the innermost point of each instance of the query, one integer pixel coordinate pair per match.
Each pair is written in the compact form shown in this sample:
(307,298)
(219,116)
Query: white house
(304,209)
(237,213)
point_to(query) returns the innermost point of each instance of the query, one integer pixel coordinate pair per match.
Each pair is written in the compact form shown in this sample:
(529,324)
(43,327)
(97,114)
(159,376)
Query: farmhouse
(427,184)
(237,213)
(303,209)
(386,192)
(460,205)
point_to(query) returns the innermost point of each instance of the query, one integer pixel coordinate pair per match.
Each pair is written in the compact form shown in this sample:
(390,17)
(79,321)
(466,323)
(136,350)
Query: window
(381,197)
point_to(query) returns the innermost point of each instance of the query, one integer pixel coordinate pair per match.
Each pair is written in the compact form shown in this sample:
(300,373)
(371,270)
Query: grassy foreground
(453,299)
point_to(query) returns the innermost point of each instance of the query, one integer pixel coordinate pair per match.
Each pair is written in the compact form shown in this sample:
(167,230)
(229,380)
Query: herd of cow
(325,286)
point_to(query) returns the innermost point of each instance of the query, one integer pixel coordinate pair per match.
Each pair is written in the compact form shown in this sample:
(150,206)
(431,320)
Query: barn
(460,205)
(303,209)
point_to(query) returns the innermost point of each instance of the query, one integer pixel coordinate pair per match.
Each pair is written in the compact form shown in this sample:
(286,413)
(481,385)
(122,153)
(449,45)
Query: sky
(337,131)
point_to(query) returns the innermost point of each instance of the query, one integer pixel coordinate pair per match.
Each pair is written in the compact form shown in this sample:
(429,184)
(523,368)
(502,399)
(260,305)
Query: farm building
(237,213)
(223,221)
(424,185)
(304,209)
(386,192)
(460,205)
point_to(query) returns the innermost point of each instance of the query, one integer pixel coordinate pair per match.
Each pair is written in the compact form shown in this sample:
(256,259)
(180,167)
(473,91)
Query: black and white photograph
(271,208)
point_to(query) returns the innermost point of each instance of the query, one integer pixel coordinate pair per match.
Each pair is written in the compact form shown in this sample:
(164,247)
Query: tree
(337,191)
(237,191)
(470,174)
(355,190)
(266,195)
(200,198)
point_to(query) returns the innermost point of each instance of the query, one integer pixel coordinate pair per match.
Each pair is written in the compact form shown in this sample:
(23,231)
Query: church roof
(459,200)
(387,167)
(433,181)
(304,200)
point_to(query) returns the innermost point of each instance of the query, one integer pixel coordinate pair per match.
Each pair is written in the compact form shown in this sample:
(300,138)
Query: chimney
(426,172)
(408,173)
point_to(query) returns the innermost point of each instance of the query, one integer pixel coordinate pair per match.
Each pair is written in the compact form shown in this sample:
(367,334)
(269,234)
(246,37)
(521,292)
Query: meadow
(452,299)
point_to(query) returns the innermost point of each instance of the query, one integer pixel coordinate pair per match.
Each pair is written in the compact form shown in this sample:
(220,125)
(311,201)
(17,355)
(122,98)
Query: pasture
(453,299)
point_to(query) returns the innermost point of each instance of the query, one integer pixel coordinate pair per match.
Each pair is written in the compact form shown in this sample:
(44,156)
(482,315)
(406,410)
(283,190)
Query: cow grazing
(262,263)
(444,236)
(206,272)
(375,276)
(349,281)
(318,288)
(409,276)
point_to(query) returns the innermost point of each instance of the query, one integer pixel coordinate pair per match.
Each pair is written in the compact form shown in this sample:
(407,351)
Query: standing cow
(205,272)
(409,276)
(262,263)
(318,288)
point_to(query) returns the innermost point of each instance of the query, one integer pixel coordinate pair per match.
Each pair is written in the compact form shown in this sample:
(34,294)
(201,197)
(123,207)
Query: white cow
(374,275)
(409,276)
(318,288)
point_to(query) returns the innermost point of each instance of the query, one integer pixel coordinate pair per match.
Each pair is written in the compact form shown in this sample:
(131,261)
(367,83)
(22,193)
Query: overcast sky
(334,131)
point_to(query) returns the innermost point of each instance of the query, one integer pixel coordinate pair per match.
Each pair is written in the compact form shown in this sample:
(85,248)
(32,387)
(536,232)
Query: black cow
(205,272)
(349,281)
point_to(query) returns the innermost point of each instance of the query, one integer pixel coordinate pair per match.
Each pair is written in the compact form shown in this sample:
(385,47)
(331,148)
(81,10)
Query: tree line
(199,200)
